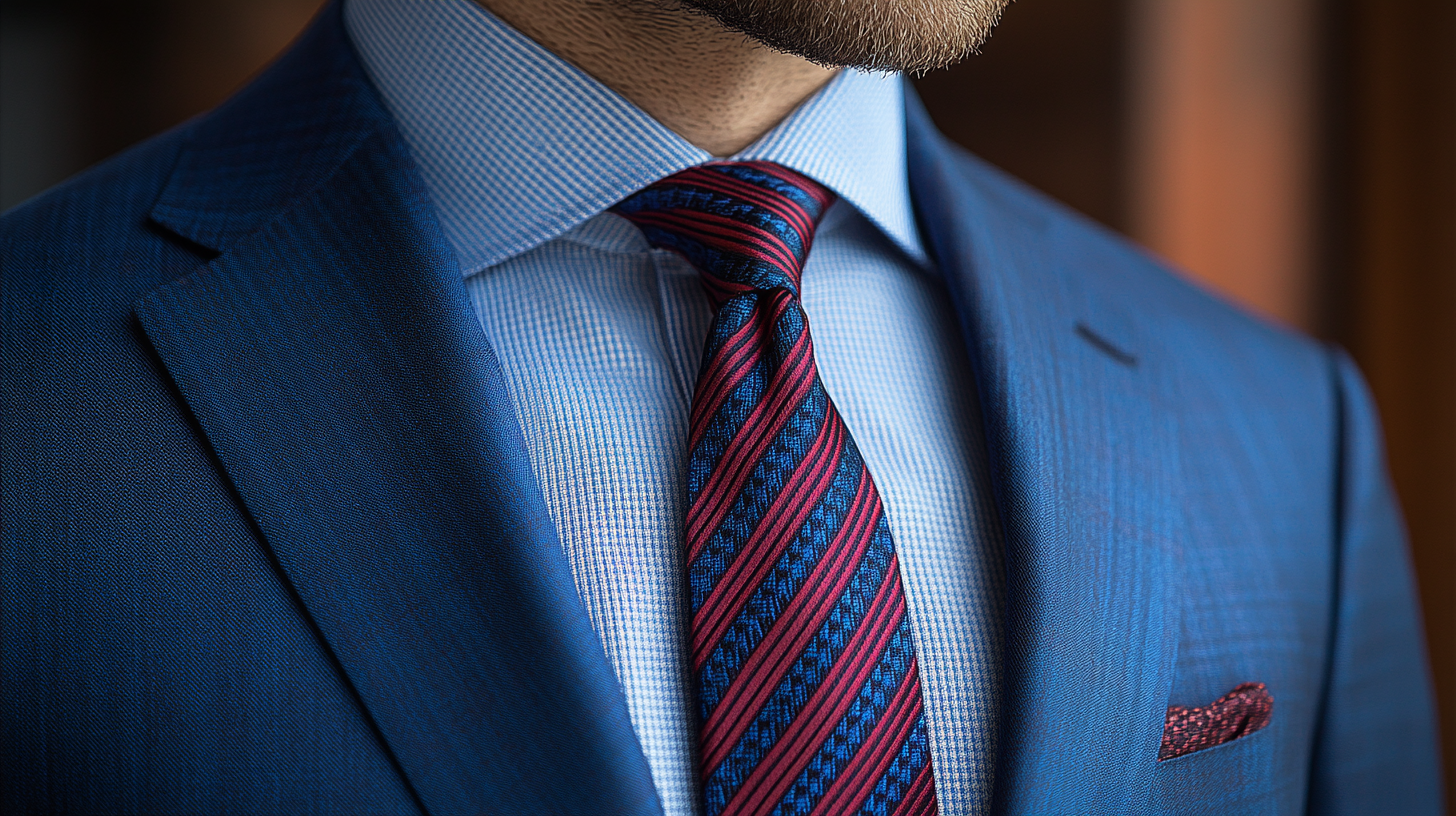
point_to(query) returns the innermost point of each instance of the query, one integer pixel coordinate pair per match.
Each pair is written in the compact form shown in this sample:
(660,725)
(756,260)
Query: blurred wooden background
(1298,156)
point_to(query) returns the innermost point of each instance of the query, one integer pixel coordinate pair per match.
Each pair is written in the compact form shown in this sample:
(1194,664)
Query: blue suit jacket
(272,543)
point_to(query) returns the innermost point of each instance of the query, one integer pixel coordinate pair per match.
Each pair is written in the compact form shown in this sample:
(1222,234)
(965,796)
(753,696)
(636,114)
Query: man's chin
(914,36)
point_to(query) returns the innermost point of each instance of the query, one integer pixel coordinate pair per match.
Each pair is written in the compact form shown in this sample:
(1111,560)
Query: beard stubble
(913,36)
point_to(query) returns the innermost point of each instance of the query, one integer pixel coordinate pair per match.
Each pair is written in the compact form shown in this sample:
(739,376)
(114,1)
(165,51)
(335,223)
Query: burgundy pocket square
(1239,713)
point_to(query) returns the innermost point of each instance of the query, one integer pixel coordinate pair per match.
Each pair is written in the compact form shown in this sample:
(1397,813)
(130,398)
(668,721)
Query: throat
(716,88)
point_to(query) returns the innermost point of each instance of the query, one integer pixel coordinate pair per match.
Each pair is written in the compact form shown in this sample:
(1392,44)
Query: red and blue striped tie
(808,688)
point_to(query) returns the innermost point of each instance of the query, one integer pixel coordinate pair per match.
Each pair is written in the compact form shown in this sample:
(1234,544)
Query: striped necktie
(808,688)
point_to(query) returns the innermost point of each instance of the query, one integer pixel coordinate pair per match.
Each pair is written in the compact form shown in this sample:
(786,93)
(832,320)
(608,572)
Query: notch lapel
(1078,403)
(332,360)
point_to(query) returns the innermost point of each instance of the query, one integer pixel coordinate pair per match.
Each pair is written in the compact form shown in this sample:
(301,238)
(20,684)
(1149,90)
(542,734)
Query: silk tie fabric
(808,687)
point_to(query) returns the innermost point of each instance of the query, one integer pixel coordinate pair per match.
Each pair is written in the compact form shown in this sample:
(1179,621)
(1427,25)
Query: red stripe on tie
(724,234)
(778,527)
(728,368)
(784,762)
(747,227)
(812,188)
(858,778)
(728,235)
(919,799)
(795,626)
(787,209)
(740,191)
(724,372)
(754,436)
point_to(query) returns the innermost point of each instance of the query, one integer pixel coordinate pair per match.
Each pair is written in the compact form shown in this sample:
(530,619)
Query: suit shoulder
(88,240)
(73,261)
(1201,326)
(96,210)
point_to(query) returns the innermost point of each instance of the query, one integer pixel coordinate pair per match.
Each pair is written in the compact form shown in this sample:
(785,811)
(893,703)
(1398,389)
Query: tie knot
(746,226)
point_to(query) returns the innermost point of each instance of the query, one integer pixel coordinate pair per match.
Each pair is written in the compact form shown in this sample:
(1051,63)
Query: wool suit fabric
(271,541)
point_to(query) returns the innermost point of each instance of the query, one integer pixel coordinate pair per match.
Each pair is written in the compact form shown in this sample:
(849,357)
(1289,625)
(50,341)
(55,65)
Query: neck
(714,87)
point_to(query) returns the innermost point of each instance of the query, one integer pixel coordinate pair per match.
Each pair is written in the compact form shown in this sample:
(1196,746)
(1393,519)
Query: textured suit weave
(807,679)
(272,540)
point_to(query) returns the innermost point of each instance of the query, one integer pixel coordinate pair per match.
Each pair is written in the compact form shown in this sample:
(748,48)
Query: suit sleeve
(1376,749)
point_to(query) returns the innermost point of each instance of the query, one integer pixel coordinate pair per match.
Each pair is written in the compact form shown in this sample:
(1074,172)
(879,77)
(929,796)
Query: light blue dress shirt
(600,336)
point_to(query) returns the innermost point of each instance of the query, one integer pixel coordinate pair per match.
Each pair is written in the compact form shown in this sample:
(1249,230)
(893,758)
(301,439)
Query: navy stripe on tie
(808,684)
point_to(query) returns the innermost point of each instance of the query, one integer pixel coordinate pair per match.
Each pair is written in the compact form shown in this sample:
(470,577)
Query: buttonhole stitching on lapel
(1103,345)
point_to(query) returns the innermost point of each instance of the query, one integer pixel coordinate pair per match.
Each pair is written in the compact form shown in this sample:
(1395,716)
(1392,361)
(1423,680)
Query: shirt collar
(517,146)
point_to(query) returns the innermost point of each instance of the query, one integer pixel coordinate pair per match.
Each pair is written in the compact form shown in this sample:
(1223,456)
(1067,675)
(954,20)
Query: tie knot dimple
(745,226)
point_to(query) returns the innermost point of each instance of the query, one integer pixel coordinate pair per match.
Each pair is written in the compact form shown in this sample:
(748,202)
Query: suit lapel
(331,358)
(1078,403)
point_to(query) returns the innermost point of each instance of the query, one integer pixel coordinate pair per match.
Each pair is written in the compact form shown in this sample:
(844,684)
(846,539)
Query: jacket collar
(275,142)
(1079,404)
(331,359)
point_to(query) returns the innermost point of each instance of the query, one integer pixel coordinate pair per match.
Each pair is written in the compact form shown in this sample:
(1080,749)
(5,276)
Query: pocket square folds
(1239,713)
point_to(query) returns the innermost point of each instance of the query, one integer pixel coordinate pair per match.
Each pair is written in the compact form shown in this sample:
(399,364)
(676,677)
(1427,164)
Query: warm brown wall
(1045,101)
(1187,124)
(1400,307)
(146,65)
(1220,128)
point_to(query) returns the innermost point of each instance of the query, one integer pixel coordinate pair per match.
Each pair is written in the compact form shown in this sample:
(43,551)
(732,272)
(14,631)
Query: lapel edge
(201,203)
(1012,299)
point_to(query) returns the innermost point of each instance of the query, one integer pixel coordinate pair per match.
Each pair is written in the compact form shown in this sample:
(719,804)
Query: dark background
(1298,156)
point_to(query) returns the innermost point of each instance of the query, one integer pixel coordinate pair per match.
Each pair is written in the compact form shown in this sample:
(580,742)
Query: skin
(715,87)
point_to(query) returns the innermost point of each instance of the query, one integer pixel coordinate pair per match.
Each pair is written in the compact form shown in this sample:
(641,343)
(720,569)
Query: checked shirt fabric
(808,686)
